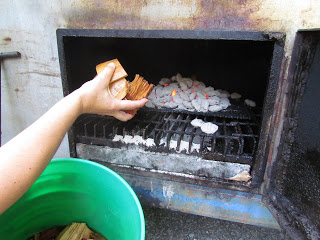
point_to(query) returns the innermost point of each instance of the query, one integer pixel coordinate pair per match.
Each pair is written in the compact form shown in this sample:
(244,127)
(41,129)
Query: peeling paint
(168,190)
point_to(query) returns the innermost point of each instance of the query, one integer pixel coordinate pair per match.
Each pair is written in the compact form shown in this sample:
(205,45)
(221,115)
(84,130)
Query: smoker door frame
(278,38)
(292,219)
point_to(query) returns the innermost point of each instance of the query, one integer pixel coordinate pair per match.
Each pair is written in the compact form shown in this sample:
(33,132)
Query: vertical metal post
(4,55)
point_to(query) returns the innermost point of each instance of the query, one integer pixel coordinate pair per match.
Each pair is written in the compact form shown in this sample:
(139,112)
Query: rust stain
(226,15)
(7,39)
(104,14)
(173,14)
(240,15)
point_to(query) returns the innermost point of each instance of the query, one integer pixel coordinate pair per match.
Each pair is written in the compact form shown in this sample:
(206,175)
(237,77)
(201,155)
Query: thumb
(106,74)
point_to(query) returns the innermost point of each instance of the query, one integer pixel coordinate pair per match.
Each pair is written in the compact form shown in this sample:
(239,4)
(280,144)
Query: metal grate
(237,110)
(235,141)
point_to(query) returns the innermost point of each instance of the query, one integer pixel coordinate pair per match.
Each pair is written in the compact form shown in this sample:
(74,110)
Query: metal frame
(289,215)
(275,37)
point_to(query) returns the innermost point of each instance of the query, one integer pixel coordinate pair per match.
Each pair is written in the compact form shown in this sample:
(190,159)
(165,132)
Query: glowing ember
(166,85)
(196,85)
(173,93)
(207,96)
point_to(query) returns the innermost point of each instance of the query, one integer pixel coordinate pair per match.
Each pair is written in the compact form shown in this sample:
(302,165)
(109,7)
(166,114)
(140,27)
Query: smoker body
(250,62)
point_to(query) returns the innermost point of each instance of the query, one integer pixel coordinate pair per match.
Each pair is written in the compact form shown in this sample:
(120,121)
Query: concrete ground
(165,224)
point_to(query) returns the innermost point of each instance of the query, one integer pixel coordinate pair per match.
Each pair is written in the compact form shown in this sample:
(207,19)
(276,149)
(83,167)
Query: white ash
(173,144)
(177,99)
(170,105)
(224,103)
(224,95)
(196,105)
(209,128)
(184,145)
(215,108)
(201,95)
(235,95)
(184,96)
(213,93)
(137,140)
(188,81)
(192,96)
(208,89)
(250,103)
(183,86)
(149,104)
(197,122)
(164,81)
(178,77)
(184,93)
(206,127)
(188,105)
(205,105)
(169,163)
(213,100)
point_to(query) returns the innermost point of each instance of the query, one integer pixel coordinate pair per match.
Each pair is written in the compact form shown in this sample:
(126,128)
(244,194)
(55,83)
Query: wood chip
(241,177)
(119,71)
(139,88)
(119,89)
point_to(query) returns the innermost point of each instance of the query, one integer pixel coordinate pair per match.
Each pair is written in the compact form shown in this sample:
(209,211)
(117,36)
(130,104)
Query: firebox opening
(164,142)
(233,65)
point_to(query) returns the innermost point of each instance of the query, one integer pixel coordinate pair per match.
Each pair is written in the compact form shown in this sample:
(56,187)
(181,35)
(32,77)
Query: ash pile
(188,94)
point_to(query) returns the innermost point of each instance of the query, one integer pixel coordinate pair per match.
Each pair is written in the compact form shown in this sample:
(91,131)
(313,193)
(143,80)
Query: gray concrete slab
(167,224)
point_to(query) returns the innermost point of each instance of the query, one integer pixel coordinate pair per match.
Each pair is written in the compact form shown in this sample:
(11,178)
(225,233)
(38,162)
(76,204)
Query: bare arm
(24,158)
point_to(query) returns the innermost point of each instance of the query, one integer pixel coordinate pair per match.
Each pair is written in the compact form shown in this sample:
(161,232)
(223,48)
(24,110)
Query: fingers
(123,116)
(106,74)
(128,109)
(129,104)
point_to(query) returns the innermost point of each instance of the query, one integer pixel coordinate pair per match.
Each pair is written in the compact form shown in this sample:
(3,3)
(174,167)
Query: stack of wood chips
(75,231)
(139,88)
(122,89)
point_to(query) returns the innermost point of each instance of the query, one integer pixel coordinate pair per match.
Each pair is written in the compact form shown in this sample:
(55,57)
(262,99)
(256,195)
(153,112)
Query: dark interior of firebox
(241,66)
(233,65)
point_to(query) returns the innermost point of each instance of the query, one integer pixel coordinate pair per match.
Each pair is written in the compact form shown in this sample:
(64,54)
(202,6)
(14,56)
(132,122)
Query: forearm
(23,159)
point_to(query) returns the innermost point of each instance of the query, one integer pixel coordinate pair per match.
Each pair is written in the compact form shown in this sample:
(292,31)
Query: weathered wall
(30,85)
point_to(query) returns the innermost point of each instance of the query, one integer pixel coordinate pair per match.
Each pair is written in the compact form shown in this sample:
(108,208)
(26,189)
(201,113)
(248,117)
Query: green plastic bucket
(76,190)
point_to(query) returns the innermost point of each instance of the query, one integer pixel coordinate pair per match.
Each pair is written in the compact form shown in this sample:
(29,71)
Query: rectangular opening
(234,65)
(247,63)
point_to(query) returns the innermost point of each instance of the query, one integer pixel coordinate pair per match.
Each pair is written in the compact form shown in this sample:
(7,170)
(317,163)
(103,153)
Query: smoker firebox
(184,166)
(245,62)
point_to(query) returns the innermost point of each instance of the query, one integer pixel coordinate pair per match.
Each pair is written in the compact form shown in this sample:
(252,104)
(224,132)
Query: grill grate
(237,110)
(235,141)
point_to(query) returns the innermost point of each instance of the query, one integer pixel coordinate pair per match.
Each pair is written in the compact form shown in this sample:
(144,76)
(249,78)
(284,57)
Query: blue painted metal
(204,201)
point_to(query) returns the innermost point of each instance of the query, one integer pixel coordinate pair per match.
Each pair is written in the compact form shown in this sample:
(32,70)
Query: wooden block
(119,71)
(119,89)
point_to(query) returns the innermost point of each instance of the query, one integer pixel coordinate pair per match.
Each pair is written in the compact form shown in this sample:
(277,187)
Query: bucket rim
(123,181)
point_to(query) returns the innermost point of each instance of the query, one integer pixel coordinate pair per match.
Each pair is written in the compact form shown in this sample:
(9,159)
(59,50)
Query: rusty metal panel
(204,201)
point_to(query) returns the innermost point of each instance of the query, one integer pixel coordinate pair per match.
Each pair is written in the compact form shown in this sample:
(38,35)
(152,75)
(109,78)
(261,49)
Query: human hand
(96,98)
